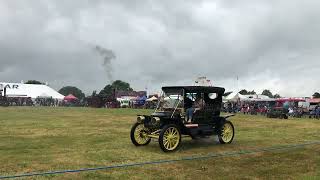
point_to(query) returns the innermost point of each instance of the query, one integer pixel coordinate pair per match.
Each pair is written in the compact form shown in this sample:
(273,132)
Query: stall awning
(70,97)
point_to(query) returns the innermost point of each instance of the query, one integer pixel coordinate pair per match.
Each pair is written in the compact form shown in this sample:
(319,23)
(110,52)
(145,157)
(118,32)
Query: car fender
(228,116)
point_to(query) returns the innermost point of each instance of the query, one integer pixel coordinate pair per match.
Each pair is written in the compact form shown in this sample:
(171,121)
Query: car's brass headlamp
(155,120)
(140,119)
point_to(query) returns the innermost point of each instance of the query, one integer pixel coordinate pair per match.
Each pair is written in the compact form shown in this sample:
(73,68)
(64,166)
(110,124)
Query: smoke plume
(108,55)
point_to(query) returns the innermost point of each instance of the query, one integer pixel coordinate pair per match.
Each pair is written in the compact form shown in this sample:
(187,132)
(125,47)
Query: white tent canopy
(259,97)
(234,97)
(153,98)
(30,90)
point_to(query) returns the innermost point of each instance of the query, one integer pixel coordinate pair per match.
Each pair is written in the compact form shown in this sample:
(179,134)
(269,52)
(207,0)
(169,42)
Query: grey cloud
(268,44)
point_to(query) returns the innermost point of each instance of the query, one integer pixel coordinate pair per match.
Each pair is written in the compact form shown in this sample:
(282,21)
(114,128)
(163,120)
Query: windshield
(170,101)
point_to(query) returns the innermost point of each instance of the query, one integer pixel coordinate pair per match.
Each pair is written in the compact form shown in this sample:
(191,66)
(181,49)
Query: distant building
(203,81)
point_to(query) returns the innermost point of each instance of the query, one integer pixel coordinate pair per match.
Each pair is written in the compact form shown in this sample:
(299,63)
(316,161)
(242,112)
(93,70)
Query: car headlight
(155,120)
(140,119)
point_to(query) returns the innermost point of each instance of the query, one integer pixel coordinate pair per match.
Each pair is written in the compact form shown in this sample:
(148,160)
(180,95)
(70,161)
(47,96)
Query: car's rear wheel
(170,138)
(139,135)
(226,133)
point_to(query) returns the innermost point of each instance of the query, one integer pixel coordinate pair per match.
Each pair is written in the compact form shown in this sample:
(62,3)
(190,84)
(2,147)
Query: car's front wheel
(139,135)
(170,138)
(226,133)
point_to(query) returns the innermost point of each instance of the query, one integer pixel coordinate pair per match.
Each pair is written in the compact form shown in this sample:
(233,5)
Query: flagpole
(238,84)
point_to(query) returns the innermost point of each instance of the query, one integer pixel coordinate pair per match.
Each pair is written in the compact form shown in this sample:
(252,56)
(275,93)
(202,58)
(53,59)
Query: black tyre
(226,133)
(139,135)
(170,138)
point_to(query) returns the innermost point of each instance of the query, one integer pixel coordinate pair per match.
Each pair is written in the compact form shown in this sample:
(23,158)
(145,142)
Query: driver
(197,105)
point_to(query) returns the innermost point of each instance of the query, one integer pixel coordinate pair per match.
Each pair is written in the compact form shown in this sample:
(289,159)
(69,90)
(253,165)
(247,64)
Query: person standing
(317,112)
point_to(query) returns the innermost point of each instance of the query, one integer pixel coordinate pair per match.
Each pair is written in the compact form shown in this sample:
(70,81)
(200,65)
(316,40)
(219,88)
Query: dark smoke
(108,55)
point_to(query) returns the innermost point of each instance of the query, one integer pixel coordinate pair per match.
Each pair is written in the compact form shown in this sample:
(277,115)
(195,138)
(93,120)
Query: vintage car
(168,122)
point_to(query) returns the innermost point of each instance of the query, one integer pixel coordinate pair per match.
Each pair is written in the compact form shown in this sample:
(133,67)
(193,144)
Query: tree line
(77,92)
(265,92)
(268,93)
(121,85)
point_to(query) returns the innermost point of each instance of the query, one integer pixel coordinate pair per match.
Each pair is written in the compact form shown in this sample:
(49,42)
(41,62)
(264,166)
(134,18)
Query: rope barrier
(208,156)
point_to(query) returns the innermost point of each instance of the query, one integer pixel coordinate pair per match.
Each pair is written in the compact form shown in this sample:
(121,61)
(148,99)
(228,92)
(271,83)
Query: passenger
(291,111)
(197,105)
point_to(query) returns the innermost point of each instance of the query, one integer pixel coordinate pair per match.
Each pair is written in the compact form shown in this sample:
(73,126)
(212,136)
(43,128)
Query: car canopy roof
(194,89)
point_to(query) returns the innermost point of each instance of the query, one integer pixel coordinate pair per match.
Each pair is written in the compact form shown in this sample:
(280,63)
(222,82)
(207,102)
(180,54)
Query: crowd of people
(39,101)
(315,113)
(253,108)
(246,108)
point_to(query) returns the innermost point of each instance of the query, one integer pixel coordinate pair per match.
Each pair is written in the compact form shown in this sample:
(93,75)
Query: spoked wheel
(139,135)
(226,133)
(170,138)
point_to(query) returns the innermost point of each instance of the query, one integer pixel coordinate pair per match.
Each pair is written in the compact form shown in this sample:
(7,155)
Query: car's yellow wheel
(226,133)
(139,135)
(170,138)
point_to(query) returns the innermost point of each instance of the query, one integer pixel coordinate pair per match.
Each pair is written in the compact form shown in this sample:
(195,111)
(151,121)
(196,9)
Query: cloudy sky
(268,44)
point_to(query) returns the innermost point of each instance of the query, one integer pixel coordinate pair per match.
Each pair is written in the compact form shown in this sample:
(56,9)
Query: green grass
(46,139)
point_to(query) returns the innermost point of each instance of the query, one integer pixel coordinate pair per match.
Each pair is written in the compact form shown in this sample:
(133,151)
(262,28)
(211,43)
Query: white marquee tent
(234,97)
(153,98)
(30,90)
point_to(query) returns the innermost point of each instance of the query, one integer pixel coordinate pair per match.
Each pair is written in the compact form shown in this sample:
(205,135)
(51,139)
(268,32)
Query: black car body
(168,122)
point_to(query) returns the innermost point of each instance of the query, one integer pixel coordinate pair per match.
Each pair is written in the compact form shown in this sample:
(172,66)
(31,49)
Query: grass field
(46,139)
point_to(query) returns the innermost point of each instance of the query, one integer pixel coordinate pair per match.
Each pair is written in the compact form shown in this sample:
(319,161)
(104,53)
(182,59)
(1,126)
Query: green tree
(276,96)
(94,93)
(316,95)
(251,92)
(72,90)
(267,92)
(33,82)
(116,85)
(245,92)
